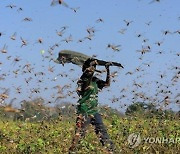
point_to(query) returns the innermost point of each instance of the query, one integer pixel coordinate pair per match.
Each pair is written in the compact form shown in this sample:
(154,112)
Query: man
(87,108)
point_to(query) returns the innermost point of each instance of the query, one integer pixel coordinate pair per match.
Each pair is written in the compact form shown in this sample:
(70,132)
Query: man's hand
(107,65)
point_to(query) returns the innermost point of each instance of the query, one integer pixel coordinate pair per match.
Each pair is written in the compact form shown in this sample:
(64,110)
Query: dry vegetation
(53,134)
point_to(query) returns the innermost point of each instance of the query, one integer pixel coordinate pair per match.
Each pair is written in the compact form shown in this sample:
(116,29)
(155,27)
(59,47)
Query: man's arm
(101,84)
(107,83)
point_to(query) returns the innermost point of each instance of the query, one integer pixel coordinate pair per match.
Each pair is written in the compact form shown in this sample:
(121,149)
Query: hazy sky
(153,26)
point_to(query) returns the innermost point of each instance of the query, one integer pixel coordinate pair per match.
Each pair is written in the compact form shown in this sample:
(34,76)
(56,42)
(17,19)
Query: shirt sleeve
(100,83)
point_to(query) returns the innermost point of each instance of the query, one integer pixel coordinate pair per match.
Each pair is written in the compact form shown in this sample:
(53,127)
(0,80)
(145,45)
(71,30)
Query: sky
(150,77)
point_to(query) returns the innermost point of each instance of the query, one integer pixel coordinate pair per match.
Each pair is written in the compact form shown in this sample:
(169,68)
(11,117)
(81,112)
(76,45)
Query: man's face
(90,71)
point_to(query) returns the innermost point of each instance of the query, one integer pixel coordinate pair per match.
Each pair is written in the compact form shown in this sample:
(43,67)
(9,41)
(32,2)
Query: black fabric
(99,82)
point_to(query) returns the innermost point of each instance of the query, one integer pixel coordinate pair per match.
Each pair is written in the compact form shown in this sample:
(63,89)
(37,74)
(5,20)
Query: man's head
(89,67)
(89,63)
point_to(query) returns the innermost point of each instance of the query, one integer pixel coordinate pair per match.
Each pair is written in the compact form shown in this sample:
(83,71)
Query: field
(55,136)
(46,74)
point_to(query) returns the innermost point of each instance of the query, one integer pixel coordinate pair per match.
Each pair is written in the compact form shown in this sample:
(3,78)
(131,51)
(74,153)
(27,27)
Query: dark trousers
(81,124)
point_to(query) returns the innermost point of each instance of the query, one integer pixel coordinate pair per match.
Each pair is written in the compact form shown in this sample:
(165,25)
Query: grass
(56,136)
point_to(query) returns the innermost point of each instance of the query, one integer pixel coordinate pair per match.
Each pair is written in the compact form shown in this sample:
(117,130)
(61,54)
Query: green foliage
(139,108)
(150,111)
(54,134)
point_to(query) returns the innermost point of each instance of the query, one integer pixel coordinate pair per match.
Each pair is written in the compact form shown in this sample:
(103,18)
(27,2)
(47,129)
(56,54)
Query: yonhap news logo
(135,140)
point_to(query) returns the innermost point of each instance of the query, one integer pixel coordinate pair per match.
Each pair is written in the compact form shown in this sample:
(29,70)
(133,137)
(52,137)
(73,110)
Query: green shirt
(88,103)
